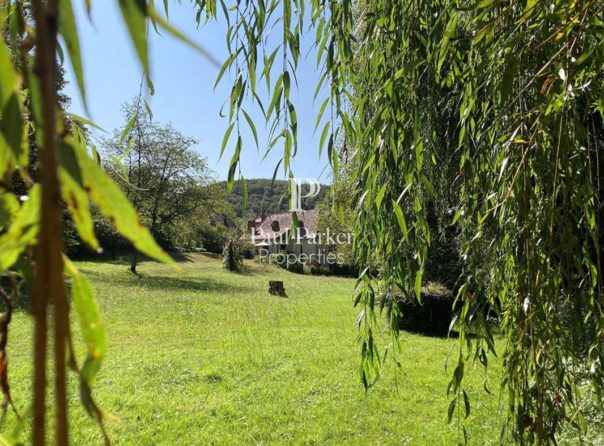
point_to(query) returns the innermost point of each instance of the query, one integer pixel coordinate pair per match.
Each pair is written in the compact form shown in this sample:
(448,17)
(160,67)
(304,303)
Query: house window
(275,225)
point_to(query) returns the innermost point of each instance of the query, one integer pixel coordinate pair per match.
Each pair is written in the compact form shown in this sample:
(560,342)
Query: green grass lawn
(202,356)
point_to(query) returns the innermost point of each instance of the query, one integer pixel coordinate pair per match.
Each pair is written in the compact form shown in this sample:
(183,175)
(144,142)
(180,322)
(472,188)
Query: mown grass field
(202,356)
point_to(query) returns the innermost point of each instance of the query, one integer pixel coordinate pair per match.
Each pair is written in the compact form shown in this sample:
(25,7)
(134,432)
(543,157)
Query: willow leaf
(75,197)
(449,32)
(12,130)
(180,36)
(91,326)
(225,139)
(244,193)
(81,121)
(400,218)
(418,285)
(135,13)
(252,127)
(69,32)
(128,128)
(8,77)
(323,137)
(233,165)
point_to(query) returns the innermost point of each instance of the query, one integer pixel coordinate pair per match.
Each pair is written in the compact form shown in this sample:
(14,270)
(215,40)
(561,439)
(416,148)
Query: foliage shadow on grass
(438,334)
(168,282)
(202,284)
(181,257)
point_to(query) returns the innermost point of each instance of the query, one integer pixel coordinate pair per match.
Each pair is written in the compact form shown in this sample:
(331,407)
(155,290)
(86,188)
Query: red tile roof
(268,230)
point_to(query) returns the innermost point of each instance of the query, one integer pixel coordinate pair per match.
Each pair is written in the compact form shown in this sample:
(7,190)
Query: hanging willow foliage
(490,111)
(512,95)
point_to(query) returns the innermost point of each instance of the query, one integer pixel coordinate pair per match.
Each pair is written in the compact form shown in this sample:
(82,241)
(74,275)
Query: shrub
(213,239)
(444,264)
(232,258)
(295,267)
(314,267)
(432,315)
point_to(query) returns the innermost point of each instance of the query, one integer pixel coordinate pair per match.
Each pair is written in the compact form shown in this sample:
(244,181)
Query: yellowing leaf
(4,441)
(9,207)
(22,232)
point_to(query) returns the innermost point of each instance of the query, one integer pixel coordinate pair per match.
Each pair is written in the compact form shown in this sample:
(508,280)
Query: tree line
(171,187)
(267,196)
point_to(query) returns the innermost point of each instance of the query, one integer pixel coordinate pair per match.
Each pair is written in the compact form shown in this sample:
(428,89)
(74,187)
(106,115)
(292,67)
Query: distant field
(201,356)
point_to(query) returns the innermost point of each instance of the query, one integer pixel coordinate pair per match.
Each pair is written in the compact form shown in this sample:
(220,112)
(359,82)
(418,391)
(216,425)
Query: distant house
(273,233)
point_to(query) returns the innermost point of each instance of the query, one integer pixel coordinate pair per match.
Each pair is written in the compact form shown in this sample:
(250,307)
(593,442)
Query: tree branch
(49,286)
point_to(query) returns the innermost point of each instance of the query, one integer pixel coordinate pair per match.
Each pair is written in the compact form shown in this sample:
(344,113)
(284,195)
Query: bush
(314,267)
(213,239)
(432,316)
(248,251)
(232,258)
(295,267)
(344,270)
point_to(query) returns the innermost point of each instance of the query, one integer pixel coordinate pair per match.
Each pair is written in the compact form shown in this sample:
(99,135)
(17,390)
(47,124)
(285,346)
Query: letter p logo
(296,191)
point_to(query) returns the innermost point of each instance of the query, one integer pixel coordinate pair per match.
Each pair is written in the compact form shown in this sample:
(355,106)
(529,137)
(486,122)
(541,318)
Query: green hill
(265,195)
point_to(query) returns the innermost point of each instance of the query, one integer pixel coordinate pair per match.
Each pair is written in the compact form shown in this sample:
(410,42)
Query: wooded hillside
(266,195)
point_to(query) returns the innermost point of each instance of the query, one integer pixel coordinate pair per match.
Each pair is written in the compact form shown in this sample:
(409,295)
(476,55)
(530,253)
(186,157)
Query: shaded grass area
(203,356)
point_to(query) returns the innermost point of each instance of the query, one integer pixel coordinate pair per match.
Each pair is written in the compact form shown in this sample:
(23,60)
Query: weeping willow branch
(49,285)
(483,109)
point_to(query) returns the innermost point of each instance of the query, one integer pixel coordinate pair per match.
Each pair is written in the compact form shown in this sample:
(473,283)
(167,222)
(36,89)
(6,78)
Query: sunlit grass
(203,356)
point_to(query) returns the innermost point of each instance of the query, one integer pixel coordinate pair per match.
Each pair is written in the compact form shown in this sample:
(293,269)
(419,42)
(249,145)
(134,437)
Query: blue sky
(184,93)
